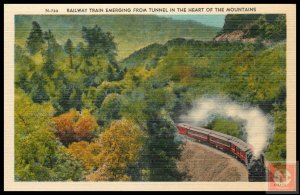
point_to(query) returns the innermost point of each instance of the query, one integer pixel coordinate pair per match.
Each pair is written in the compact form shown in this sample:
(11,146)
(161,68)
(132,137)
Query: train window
(197,134)
(220,141)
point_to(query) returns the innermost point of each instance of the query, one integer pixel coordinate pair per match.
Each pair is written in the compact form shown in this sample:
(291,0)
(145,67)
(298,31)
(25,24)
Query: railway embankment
(202,163)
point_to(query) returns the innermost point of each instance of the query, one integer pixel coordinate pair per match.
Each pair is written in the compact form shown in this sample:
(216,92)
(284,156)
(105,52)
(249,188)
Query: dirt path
(203,163)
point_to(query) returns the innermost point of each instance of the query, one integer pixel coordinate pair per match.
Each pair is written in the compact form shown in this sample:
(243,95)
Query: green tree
(94,97)
(110,109)
(38,92)
(98,57)
(149,106)
(99,42)
(69,49)
(38,154)
(34,42)
(53,54)
(227,126)
(23,68)
(276,150)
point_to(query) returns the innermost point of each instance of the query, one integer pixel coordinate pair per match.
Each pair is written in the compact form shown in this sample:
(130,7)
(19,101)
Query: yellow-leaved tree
(111,154)
(85,152)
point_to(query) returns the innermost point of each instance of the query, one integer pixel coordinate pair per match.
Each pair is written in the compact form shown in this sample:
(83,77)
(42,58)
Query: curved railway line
(227,144)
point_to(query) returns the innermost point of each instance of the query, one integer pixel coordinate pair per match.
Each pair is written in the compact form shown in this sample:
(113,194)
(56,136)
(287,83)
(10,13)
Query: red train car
(240,149)
(222,141)
(182,128)
(199,133)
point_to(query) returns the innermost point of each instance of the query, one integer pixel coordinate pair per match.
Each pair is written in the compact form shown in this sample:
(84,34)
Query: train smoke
(257,126)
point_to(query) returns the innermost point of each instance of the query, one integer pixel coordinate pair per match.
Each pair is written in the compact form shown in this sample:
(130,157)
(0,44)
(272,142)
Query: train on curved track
(229,144)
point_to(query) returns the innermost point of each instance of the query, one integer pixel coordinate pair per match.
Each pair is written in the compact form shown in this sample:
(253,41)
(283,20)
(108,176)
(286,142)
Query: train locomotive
(228,144)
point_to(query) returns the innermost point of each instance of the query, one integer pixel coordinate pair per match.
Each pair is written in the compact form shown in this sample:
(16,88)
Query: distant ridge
(131,32)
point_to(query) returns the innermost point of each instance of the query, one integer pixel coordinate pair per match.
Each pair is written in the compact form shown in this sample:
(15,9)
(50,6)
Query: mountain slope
(131,32)
(242,69)
(253,27)
(246,72)
(147,57)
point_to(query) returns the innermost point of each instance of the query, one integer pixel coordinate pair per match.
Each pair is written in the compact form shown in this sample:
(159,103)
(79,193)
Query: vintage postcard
(150,97)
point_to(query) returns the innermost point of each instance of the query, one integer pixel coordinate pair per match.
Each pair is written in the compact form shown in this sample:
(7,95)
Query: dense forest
(82,114)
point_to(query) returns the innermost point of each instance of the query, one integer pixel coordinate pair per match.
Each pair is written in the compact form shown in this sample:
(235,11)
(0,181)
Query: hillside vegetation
(131,32)
(82,115)
(253,27)
(244,72)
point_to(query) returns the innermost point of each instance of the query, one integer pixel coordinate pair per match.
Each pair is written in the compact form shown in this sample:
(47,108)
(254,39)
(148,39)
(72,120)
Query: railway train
(229,144)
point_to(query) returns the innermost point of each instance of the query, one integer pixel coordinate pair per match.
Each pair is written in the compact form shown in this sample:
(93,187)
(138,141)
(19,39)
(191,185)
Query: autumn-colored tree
(120,146)
(85,126)
(64,125)
(75,126)
(85,152)
(110,155)
(38,156)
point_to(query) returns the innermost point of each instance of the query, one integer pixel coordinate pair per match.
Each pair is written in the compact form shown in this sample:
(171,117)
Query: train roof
(220,135)
(183,124)
(200,129)
(187,125)
(240,143)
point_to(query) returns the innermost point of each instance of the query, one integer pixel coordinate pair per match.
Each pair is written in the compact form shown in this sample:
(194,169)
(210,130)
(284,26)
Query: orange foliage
(64,122)
(110,155)
(85,152)
(75,126)
(85,126)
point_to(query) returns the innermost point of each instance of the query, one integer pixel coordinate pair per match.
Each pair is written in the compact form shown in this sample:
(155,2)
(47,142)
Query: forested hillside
(131,32)
(245,72)
(79,116)
(82,115)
